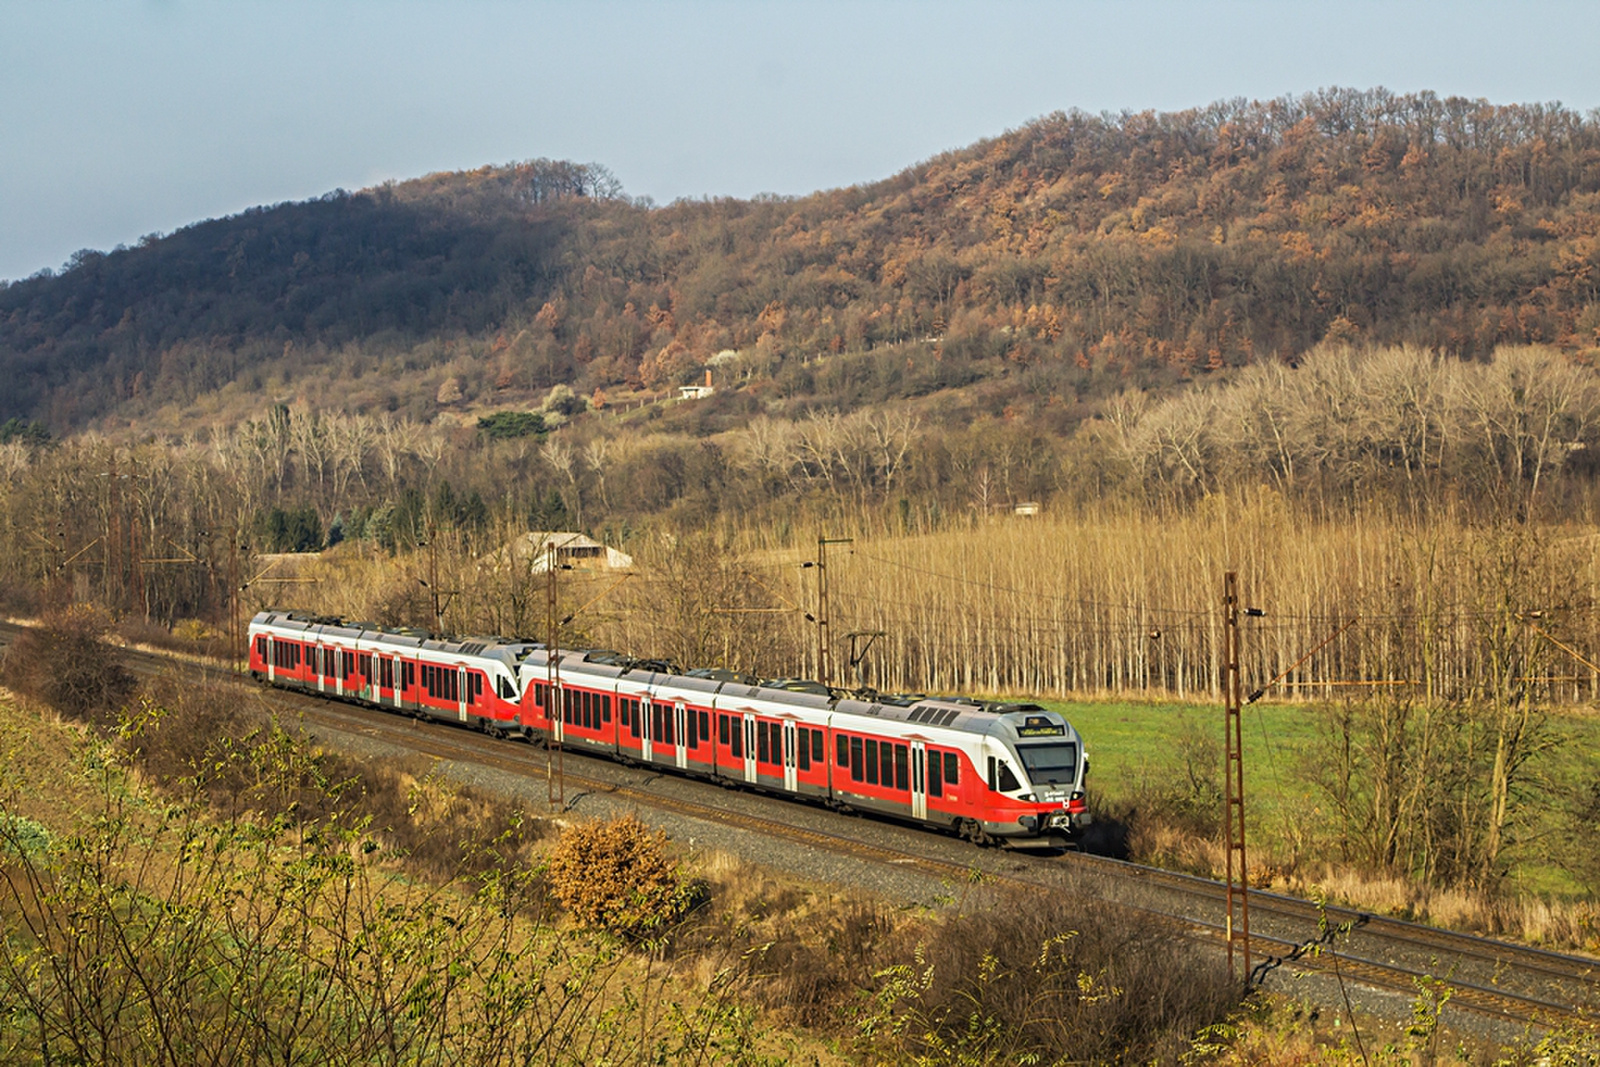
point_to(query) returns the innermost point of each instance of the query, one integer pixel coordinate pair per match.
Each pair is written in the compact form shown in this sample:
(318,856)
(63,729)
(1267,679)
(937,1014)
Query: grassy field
(1138,749)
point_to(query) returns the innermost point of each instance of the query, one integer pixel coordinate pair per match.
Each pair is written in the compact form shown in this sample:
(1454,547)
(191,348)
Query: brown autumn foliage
(1058,262)
(617,876)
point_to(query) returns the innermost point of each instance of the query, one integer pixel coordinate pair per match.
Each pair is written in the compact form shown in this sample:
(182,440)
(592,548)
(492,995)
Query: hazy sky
(122,118)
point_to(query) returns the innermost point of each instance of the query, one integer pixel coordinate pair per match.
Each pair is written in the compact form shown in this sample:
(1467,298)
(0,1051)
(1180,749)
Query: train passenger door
(272,671)
(789,757)
(919,780)
(750,746)
(323,659)
(647,736)
(399,681)
(462,691)
(680,736)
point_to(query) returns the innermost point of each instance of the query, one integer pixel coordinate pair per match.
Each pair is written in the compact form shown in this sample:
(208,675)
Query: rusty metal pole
(822,610)
(824,658)
(113,553)
(1238,932)
(555,765)
(233,598)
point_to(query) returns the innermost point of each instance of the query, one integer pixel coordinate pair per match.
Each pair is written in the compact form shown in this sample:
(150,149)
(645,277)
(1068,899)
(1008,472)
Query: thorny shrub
(67,664)
(617,876)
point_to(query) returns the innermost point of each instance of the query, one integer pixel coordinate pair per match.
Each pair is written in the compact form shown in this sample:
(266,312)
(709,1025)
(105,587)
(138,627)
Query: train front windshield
(1055,763)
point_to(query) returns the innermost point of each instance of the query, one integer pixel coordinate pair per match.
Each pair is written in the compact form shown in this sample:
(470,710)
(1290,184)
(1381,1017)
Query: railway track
(1500,981)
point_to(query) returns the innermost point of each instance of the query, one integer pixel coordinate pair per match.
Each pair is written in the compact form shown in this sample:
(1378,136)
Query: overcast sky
(119,119)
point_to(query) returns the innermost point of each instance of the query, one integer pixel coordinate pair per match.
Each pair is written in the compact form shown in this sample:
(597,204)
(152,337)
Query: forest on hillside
(1055,265)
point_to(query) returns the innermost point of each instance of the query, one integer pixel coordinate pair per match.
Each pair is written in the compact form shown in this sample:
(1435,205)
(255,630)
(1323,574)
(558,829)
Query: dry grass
(1559,924)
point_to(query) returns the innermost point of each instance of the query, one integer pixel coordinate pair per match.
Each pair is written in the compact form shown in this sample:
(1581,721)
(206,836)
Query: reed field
(1131,602)
(1070,604)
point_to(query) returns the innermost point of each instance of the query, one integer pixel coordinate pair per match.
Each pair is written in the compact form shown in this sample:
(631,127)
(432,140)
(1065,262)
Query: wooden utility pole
(1238,929)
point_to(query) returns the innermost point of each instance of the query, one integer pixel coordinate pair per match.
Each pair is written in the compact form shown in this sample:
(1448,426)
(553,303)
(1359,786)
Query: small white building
(697,392)
(532,550)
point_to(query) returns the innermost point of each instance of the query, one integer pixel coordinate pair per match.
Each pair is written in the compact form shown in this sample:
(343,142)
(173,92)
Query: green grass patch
(1136,748)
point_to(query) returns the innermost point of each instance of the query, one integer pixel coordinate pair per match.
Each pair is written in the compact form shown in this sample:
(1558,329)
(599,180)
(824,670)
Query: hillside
(1059,262)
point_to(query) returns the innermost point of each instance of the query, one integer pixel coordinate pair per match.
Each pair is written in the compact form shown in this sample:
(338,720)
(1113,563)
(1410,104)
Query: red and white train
(988,771)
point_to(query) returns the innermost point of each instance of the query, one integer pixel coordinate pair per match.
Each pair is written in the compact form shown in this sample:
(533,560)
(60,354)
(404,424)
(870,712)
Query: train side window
(722,729)
(605,709)
(901,766)
(408,674)
(857,764)
(776,730)
(691,731)
(887,751)
(935,779)
(261,647)
(844,749)
(666,724)
(737,737)
(1008,780)
(634,725)
(763,745)
(805,749)
(992,762)
(872,763)
(952,769)
(705,725)
(817,753)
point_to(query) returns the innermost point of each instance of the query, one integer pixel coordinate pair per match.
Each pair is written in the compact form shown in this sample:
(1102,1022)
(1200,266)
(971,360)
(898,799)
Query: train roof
(1017,720)
(507,651)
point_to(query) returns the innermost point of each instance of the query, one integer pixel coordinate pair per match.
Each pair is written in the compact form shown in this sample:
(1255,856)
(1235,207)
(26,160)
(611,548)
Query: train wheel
(973,831)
